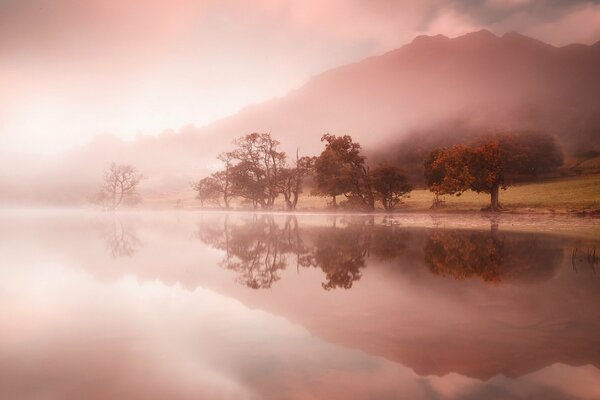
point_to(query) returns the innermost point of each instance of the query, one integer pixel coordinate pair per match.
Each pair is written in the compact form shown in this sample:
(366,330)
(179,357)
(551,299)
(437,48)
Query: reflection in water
(490,256)
(255,251)
(258,249)
(121,239)
(164,321)
(340,253)
(586,258)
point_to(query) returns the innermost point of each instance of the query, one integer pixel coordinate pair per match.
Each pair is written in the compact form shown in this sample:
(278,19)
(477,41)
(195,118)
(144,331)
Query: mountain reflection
(258,249)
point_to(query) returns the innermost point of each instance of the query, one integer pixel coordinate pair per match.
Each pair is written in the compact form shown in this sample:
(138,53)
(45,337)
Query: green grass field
(560,195)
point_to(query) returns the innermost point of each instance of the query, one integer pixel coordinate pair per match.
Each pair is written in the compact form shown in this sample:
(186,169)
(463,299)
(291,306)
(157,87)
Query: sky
(73,69)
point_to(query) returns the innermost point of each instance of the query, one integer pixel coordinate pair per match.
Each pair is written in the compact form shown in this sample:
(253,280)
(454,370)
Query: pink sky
(71,69)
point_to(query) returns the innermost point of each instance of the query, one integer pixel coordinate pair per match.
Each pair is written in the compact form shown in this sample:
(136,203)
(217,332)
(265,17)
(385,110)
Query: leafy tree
(542,153)
(390,185)
(447,171)
(257,174)
(119,185)
(208,190)
(340,170)
(485,166)
(217,186)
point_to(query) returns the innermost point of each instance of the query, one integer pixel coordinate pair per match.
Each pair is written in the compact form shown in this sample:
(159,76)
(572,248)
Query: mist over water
(216,305)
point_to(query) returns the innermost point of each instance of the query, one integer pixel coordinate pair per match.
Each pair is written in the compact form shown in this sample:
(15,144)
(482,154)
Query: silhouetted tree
(119,185)
(390,185)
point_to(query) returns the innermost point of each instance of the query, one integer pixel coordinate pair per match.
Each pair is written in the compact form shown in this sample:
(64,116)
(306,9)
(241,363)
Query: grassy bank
(560,196)
(579,193)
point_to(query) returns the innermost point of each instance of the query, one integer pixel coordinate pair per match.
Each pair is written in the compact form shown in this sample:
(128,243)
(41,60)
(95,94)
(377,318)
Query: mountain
(434,90)
(476,81)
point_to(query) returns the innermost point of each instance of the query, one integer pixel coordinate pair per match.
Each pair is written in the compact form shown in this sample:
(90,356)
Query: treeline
(257,172)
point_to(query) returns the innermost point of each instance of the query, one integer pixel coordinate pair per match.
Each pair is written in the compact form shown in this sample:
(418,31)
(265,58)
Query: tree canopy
(489,163)
(340,169)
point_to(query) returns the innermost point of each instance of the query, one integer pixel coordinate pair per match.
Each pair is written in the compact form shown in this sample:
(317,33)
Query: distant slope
(479,80)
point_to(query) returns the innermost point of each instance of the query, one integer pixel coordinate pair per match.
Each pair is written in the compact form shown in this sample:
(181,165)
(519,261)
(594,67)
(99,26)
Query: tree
(447,172)
(216,186)
(543,153)
(340,170)
(257,175)
(292,179)
(390,185)
(223,178)
(208,190)
(486,165)
(120,184)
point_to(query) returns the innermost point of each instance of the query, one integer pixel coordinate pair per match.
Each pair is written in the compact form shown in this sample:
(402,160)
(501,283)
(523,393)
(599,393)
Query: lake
(189,305)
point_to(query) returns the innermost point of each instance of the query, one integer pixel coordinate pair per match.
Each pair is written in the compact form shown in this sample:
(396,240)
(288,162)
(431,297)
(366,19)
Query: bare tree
(120,184)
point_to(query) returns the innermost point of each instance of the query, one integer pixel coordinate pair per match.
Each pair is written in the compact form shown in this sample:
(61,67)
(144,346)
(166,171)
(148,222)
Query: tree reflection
(256,250)
(340,253)
(491,256)
(259,248)
(121,240)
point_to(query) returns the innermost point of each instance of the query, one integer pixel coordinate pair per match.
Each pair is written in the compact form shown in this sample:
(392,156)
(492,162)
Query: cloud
(72,69)
(580,24)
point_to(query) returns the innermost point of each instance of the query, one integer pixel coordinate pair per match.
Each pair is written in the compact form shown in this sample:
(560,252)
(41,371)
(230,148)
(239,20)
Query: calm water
(239,306)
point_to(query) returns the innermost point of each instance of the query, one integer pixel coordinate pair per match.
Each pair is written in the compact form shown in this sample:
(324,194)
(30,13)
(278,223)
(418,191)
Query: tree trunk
(387,204)
(494,203)
(226,200)
(288,201)
(333,202)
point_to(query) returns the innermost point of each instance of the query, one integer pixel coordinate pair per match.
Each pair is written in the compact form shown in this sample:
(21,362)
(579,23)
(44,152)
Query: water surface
(258,306)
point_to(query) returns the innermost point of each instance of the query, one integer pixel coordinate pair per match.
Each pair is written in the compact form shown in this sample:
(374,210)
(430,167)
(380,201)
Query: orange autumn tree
(487,165)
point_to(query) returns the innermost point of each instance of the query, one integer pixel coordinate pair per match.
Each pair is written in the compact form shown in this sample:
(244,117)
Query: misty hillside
(433,90)
(478,81)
